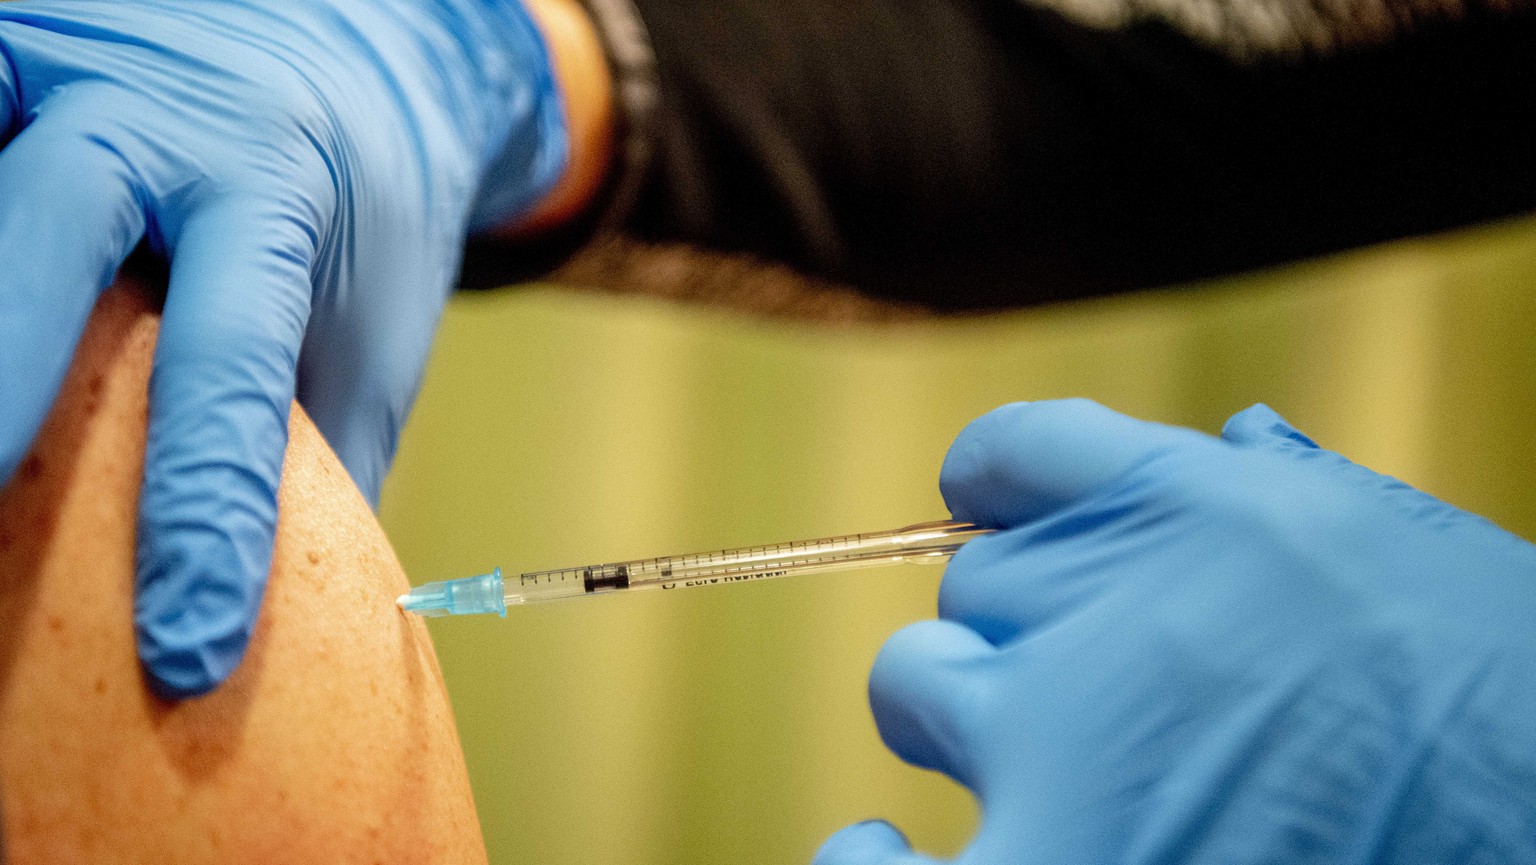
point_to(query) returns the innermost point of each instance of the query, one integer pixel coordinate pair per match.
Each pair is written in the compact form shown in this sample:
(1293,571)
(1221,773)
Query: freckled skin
(333,742)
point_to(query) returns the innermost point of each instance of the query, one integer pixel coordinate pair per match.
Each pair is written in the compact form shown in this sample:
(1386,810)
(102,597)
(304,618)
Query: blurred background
(574,424)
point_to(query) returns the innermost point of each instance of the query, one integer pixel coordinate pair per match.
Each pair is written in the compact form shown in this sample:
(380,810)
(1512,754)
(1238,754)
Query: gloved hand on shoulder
(310,169)
(1187,649)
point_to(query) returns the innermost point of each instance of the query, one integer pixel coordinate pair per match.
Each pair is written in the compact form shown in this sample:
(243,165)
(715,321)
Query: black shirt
(986,153)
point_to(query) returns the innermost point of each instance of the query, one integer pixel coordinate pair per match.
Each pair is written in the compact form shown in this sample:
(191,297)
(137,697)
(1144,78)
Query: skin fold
(334,740)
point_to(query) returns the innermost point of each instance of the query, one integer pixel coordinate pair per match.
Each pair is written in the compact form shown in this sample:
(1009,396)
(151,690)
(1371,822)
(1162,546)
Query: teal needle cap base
(467,596)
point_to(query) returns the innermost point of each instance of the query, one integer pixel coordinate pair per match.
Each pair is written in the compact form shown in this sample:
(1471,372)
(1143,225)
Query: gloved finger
(873,842)
(1023,461)
(219,400)
(68,218)
(362,367)
(929,692)
(988,588)
(1260,426)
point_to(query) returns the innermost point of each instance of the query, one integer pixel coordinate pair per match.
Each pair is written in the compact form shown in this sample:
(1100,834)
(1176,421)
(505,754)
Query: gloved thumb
(362,361)
(359,390)
(873,842)
(1020,462)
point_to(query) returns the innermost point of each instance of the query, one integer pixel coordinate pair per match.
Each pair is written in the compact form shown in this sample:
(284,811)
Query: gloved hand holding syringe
(490,593)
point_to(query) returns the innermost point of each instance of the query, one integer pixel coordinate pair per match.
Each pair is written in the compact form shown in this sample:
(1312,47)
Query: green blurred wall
(729,725)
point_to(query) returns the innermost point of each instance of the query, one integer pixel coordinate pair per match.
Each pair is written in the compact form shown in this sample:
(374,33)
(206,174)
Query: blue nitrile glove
(309,168)
(1187,649)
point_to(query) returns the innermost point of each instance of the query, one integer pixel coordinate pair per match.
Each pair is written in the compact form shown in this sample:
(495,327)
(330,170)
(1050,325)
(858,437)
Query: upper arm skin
(333,742)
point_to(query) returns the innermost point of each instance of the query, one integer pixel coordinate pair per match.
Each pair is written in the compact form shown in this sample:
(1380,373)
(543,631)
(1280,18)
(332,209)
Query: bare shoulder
(333,742)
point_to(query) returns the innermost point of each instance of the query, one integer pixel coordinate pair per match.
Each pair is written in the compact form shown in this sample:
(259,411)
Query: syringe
(489,593)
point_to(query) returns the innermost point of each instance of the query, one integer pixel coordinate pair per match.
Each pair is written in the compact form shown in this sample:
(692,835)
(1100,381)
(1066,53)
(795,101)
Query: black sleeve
(985,153)
(969,154)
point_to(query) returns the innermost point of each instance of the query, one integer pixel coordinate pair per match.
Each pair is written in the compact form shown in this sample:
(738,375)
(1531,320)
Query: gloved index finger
(1023,461)
(219,397)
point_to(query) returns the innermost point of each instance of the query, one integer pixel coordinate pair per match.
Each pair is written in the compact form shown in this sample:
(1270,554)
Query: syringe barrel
(925,542)
(489,593)
(566,583)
